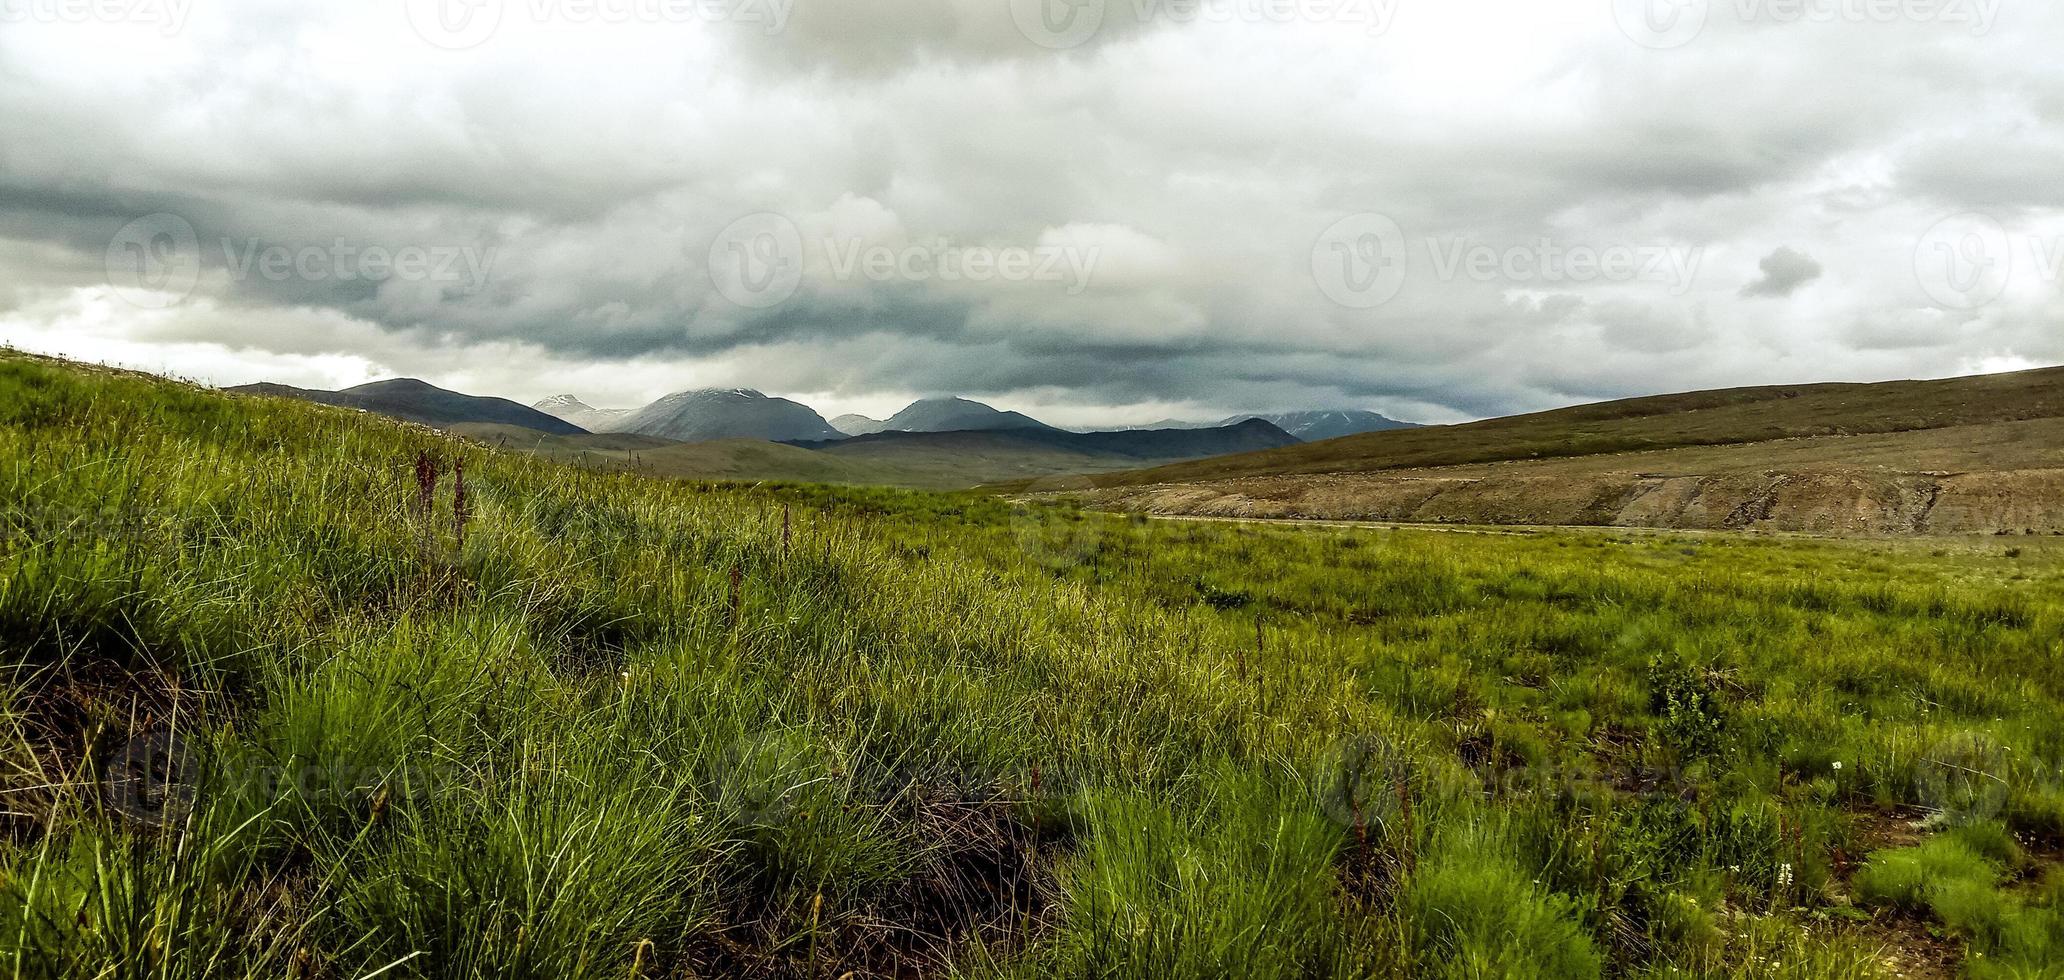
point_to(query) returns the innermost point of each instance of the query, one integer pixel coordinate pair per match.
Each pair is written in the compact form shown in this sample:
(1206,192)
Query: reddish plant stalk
(459,502)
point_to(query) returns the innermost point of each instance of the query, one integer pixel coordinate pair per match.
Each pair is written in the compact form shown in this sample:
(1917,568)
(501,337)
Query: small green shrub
(1475,916)
(1955,877)
(1238,884)
(1690,710)
(1909,877)
(2037,810)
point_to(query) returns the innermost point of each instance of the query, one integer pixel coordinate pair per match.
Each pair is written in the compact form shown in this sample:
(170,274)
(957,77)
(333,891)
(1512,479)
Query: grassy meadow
(280,701)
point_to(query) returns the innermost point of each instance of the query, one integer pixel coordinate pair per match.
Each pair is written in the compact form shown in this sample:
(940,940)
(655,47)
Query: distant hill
(956,415)
(707,414)
(422,402)
(1314,426)
(1306,426)
(979,456)
(580,413)
(1957,455)
(931,460)
(857,425)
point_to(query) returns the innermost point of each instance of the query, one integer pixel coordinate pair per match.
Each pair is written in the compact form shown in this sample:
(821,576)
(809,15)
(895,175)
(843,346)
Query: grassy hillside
(1735,415)
(725,459)
(965,459)
(272,710)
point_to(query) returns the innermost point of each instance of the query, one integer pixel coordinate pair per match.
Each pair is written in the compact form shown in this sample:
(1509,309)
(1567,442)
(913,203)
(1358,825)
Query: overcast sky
(1092,211)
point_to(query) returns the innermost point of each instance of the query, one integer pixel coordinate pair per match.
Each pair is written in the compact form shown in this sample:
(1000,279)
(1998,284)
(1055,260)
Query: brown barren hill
(1963,455)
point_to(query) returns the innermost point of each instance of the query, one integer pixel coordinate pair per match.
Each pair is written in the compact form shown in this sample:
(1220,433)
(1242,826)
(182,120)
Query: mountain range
(738,433)
(710,414)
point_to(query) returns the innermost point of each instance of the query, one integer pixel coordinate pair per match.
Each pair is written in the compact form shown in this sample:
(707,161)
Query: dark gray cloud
(1996,171)
(892,37)
(1784,271)
(1139,219)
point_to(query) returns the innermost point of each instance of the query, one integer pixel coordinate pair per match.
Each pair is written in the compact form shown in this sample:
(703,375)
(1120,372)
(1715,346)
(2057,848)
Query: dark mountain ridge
(422,402)
(1248,436)
(956,415)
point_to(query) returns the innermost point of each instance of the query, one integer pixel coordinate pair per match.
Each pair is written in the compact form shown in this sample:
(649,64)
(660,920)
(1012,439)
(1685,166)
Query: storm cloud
(1103,211)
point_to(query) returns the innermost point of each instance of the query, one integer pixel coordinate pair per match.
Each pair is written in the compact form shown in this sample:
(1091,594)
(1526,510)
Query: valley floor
(281,700)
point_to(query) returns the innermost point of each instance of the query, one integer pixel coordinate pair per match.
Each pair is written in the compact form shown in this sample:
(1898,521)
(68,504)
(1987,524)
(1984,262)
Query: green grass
(726,459)
(633,727)
(1955,879)
(920,461)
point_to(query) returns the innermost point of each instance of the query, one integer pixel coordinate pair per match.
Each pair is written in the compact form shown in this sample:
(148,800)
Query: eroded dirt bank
(1820,502)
